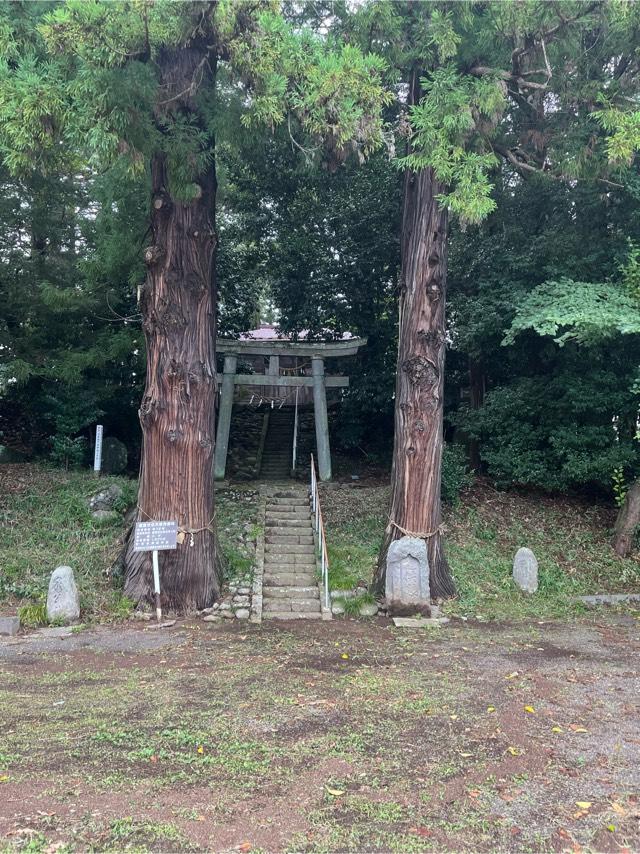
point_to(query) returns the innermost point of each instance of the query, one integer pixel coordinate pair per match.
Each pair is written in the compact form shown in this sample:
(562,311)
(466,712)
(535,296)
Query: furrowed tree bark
(418,441)
(177,413)
(627,522)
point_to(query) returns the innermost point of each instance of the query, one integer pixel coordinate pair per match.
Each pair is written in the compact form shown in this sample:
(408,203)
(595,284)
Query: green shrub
(68,452)
(455,473)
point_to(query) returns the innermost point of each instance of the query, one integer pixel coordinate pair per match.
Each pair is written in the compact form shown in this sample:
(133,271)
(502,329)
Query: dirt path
(316,737)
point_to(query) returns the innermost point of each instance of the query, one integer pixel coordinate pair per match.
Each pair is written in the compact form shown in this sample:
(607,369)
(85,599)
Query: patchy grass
(570,538)
(343,737)
(45,521)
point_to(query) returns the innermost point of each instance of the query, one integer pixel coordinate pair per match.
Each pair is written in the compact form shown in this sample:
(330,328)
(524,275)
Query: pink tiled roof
(269,332)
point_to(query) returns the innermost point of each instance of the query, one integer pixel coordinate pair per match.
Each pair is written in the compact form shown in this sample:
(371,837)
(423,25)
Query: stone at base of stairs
(292,615)
(270,606)
(420,622)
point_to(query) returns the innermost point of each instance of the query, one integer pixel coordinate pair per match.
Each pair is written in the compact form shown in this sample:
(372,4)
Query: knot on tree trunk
(153,254)
(421,372)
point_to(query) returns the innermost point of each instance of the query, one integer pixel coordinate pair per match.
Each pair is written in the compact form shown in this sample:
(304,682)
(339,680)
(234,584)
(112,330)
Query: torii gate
(266,342)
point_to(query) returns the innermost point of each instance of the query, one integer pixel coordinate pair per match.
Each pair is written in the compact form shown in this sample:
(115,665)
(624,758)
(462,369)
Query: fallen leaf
(618,808)
(611,828)
(530,709)
(4,778)
(245,846)
(576,728)
(474,793)
(584,805)
(512,675)
(466,755)
(200,749)
(421,831)
(491,708)
(515,751)
(335,792)
(344,655)
(453,717)
(556,729)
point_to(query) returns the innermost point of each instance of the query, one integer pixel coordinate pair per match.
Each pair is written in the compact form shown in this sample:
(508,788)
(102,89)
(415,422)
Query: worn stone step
(276,538)
(302,562)
(292,592)
(288,501)
(280,605)
(292,615)
(288,579)
(295,524)
(306,569)
(271,605)
(288,511)
(305,564)
(288,548)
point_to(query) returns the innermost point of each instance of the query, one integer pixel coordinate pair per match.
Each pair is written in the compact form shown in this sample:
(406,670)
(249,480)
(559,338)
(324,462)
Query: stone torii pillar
(224,416)
(321,419)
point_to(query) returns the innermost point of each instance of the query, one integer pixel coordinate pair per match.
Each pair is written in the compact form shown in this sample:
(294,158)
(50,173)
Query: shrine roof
(269,340)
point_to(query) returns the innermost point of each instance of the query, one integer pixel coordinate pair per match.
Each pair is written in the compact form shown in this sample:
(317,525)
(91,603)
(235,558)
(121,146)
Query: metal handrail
(318,525)
(295,434)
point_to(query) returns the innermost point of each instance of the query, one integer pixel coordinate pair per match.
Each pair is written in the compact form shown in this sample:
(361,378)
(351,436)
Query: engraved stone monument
(63,602)
(407,585)
(525,570)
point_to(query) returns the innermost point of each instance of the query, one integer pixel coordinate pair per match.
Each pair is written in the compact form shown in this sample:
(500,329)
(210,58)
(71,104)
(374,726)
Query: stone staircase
(289,589)
(278,445)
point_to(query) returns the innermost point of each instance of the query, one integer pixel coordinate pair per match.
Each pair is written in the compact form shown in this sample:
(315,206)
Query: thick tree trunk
(417,453)
(627,521)
(177,413)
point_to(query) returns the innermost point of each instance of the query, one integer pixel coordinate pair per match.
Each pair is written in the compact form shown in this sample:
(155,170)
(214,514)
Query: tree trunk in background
(418,442)
(476,399)
(177,411)
(627,521)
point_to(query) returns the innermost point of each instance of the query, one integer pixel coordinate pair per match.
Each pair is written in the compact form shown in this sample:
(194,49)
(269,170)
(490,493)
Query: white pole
(97,456)
(156,585)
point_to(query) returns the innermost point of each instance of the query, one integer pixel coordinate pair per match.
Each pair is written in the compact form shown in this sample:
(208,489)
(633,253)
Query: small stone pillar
(407,581)
(322,421)
(224,417)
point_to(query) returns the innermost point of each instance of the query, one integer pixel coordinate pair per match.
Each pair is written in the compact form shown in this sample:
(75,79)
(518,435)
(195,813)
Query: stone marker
(114,455)
(63,602)
(368,609)
(106,498)
(407,585)
(525,570)
(9,626)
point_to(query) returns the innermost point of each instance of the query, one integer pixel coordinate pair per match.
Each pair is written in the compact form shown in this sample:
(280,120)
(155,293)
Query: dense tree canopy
(456,177)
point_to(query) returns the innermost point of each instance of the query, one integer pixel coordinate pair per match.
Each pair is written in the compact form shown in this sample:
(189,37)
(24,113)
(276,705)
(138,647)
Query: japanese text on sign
(155,536)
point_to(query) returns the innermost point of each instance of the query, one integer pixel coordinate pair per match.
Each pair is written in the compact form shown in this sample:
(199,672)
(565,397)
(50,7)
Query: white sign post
(97,456)
(154,537)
